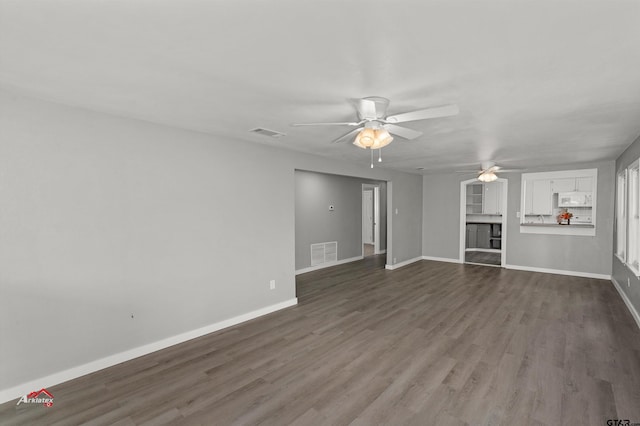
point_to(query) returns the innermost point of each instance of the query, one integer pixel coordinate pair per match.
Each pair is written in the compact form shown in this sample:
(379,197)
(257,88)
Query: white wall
(105,217)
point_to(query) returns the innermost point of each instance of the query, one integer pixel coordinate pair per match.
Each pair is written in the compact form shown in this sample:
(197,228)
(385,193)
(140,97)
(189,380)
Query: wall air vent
(324,253)
(267,132)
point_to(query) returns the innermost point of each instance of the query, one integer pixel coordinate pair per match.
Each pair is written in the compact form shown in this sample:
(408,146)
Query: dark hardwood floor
(429,344)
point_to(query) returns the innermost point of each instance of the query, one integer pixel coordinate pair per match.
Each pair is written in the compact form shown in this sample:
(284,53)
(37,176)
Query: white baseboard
(559,272)
(627,302)
(16,392)
(401,264)
(441,259)
(328,265)
(382,252)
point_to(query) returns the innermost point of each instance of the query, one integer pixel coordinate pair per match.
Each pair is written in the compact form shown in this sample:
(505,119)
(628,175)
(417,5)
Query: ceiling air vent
(267,132)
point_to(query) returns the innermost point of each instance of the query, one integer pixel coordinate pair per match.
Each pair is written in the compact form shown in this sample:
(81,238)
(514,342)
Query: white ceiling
(538,82)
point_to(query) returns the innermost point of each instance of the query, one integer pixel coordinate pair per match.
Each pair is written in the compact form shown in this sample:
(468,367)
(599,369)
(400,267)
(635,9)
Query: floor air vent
(324,253)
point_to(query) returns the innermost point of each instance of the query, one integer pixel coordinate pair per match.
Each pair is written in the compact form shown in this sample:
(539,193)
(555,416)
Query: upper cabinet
(492,203)
(550,198)
(484,198)
(538,200)
(578,184)
(474,198)
(584,184)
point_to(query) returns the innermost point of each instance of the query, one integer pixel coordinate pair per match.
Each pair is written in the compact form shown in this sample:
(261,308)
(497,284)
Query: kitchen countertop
(573,225)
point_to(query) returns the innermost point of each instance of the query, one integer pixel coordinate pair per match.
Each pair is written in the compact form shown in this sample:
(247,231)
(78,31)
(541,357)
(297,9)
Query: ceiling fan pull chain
(380,155)
(371,158)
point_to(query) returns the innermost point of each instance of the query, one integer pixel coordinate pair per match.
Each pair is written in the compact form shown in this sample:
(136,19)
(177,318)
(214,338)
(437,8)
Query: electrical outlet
(272,284)
(394,260)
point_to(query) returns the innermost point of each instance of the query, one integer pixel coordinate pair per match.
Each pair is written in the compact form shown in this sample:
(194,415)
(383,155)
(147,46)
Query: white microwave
(574,199)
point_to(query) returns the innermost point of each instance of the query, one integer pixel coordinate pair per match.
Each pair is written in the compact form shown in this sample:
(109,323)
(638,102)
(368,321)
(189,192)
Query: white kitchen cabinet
(539,200)
(563,185)
(584,184)
(580,184)
(475,195)
(492,202)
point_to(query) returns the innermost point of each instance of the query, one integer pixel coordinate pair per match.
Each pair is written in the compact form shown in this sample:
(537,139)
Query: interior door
(367,216)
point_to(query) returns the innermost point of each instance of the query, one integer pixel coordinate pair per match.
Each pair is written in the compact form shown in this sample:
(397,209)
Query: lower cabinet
(472,236)
(484,236)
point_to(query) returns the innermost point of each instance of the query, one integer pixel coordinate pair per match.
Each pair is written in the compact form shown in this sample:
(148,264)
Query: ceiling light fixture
(373,138)
(487,176)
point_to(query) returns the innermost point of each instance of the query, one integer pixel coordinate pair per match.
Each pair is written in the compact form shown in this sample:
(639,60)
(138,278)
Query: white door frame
(376,216)
(376,219)
(463,219)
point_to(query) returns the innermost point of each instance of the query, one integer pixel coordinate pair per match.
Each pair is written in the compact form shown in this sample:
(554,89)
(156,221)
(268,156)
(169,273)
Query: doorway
(483,222)
(370,220)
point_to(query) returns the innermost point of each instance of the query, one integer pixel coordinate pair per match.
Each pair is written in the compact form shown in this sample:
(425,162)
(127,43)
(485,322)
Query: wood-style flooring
(428,344)
(368,250)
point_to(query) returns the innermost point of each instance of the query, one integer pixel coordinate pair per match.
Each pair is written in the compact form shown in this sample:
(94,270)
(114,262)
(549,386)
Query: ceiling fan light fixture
(383,138)
(365,139)
(373,138)
(488,176)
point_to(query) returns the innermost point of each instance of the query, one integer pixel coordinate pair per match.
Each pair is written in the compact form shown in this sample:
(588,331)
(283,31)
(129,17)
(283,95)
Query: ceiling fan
(373,126)
(488,171)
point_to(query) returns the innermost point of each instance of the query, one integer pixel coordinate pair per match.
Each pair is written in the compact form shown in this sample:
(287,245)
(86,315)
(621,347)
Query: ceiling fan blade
(509,170)
(403,132)
(326,124)
(423,114)
(346,136)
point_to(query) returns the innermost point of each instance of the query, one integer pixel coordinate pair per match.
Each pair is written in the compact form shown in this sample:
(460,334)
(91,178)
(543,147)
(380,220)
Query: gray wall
(566,252)
(627,279)
(441,229)
(104,217)
(441,215)
(316,224)
(406,207)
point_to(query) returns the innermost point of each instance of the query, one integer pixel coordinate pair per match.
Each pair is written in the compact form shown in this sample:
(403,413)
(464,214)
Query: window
(627,226)
(621,216)
(633,217)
